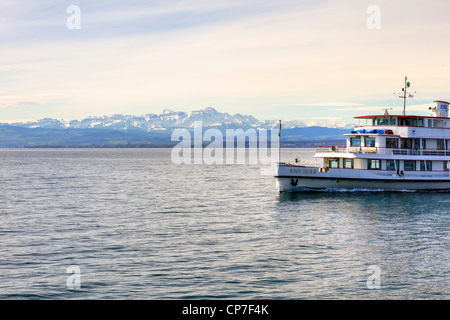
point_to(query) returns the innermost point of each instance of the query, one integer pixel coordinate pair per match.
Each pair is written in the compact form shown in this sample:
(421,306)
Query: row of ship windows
(368,141)
(375,164)
(394,143)
(412,122)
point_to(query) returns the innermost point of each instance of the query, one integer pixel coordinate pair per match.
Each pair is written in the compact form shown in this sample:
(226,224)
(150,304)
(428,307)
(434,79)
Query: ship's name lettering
(304,171)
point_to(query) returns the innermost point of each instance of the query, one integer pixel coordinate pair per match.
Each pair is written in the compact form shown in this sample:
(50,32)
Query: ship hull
(299,179)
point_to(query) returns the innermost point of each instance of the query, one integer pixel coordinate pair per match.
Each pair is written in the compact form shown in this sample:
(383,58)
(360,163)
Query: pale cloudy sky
(285,59)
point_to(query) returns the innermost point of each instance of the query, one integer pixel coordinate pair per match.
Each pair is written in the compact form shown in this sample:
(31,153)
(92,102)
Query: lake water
(137,226)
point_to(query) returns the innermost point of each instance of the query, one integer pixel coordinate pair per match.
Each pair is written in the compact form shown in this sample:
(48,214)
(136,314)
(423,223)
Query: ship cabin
(398,143)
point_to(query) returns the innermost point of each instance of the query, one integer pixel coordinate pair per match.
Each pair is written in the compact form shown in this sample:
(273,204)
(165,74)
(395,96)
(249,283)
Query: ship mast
(404,97)
(279,143)
(404,89)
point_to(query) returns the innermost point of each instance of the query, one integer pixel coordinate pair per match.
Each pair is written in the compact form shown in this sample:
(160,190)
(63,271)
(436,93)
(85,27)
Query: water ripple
(139,227)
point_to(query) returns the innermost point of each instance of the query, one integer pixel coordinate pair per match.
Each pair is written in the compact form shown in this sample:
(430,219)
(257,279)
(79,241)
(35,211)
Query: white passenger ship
(386,152)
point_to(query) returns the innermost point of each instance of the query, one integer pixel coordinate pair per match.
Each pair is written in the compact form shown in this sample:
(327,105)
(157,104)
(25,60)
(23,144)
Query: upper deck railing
(382,151)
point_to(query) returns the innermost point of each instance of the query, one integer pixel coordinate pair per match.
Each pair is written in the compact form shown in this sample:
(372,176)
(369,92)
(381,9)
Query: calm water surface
(140,227)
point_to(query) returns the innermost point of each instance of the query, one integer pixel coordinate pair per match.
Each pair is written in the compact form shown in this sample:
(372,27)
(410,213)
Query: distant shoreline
(284,144)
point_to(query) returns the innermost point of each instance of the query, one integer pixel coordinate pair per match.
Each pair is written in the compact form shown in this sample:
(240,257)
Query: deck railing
(383,151)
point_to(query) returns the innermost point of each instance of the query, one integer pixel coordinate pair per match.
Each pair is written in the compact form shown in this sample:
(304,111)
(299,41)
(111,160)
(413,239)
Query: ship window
(391,143)
(438,123)
(369,141)
(390,165)
(404,122)
(425,166)
(393,121)
(348,163)
(409,165)
(420,122)
(373,164)
(334,163)
(446,165)
(440,145)
(406,143)
(355,141)
(416,122)
(380,121)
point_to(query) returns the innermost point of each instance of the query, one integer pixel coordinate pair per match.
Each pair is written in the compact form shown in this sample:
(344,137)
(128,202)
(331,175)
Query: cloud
(46,19)
(418,107)
(38,99)
(329,104)
(243,56)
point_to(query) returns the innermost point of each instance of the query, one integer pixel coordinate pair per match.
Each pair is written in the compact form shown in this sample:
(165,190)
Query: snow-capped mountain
(169,119)
(292,124)
(149,122)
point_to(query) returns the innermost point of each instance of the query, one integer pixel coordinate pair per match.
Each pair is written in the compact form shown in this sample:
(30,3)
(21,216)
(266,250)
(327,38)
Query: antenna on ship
(405,94)
(279,143)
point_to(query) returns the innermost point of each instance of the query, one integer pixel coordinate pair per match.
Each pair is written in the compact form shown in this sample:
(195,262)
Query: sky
(322,61)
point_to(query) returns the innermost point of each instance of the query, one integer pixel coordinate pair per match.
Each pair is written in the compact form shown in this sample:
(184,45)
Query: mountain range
(148,130)
(210,117)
